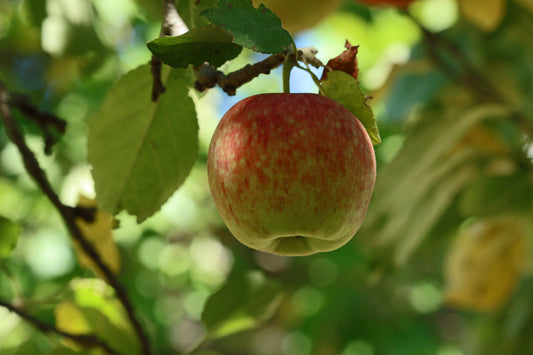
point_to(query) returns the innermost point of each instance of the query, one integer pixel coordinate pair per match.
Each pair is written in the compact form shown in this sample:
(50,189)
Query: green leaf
(35,11)
(150,9)
(244,302)
(90,307)
(258,29)
(142,151)
(344,89)
(9,233)
(423,181)
(430,206)
(203,44)
(190,10)
(490,195)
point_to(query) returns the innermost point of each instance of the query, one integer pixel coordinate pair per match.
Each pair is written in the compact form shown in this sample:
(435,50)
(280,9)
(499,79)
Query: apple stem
(288,64)
(287,67)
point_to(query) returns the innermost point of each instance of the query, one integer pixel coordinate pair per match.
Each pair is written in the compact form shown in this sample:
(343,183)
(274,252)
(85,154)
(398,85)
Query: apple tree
(266,177)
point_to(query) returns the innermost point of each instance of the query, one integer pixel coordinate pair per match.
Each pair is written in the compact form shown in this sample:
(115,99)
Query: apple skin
(291,174)
(298,15)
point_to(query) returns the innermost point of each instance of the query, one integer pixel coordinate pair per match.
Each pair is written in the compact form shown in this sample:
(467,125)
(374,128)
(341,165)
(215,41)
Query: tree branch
(172,25)
(68,215)
(208,77)
(43,119)
(86,340)
(466,74)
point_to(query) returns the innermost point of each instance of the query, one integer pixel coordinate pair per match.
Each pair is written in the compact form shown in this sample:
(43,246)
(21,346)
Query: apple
(291,174)
(297,15)
(402,4)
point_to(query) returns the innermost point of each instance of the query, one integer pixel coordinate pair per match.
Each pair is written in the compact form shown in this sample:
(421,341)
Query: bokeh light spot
(307,301)
(425,298)
(48,253)
(358,347)
(296,343)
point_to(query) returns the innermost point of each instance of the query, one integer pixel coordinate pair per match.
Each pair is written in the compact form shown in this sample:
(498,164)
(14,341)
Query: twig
(43,119)
(68,215)
(158,87)
(467,74)
(172,25)
(85,340)
(208,77)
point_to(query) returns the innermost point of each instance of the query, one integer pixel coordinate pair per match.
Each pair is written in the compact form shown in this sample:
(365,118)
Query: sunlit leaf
(258,29)
(98,233)
(484,264)
(344,89)
(242,303)
(91,308)
(142,151)
(70,318)
(486,14)
(9,234)
(202,44)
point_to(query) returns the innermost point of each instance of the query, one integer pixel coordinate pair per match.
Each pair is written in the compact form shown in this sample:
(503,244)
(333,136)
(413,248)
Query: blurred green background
(452,94)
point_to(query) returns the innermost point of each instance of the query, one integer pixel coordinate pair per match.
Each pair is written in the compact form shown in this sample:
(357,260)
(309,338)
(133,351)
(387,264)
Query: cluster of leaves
(464,169)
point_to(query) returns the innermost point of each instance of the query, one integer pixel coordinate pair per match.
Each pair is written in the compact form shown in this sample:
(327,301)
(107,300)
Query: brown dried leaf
(346,62)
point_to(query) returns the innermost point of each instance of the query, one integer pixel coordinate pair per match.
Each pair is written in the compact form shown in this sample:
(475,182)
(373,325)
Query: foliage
(153,269)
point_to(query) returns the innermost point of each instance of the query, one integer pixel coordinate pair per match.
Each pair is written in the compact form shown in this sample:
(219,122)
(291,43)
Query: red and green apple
(291,174)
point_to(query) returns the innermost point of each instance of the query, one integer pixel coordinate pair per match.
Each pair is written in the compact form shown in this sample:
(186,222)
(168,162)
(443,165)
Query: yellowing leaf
(99,234)
(486,14)
(485,263)
(70,319)
(90,308)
